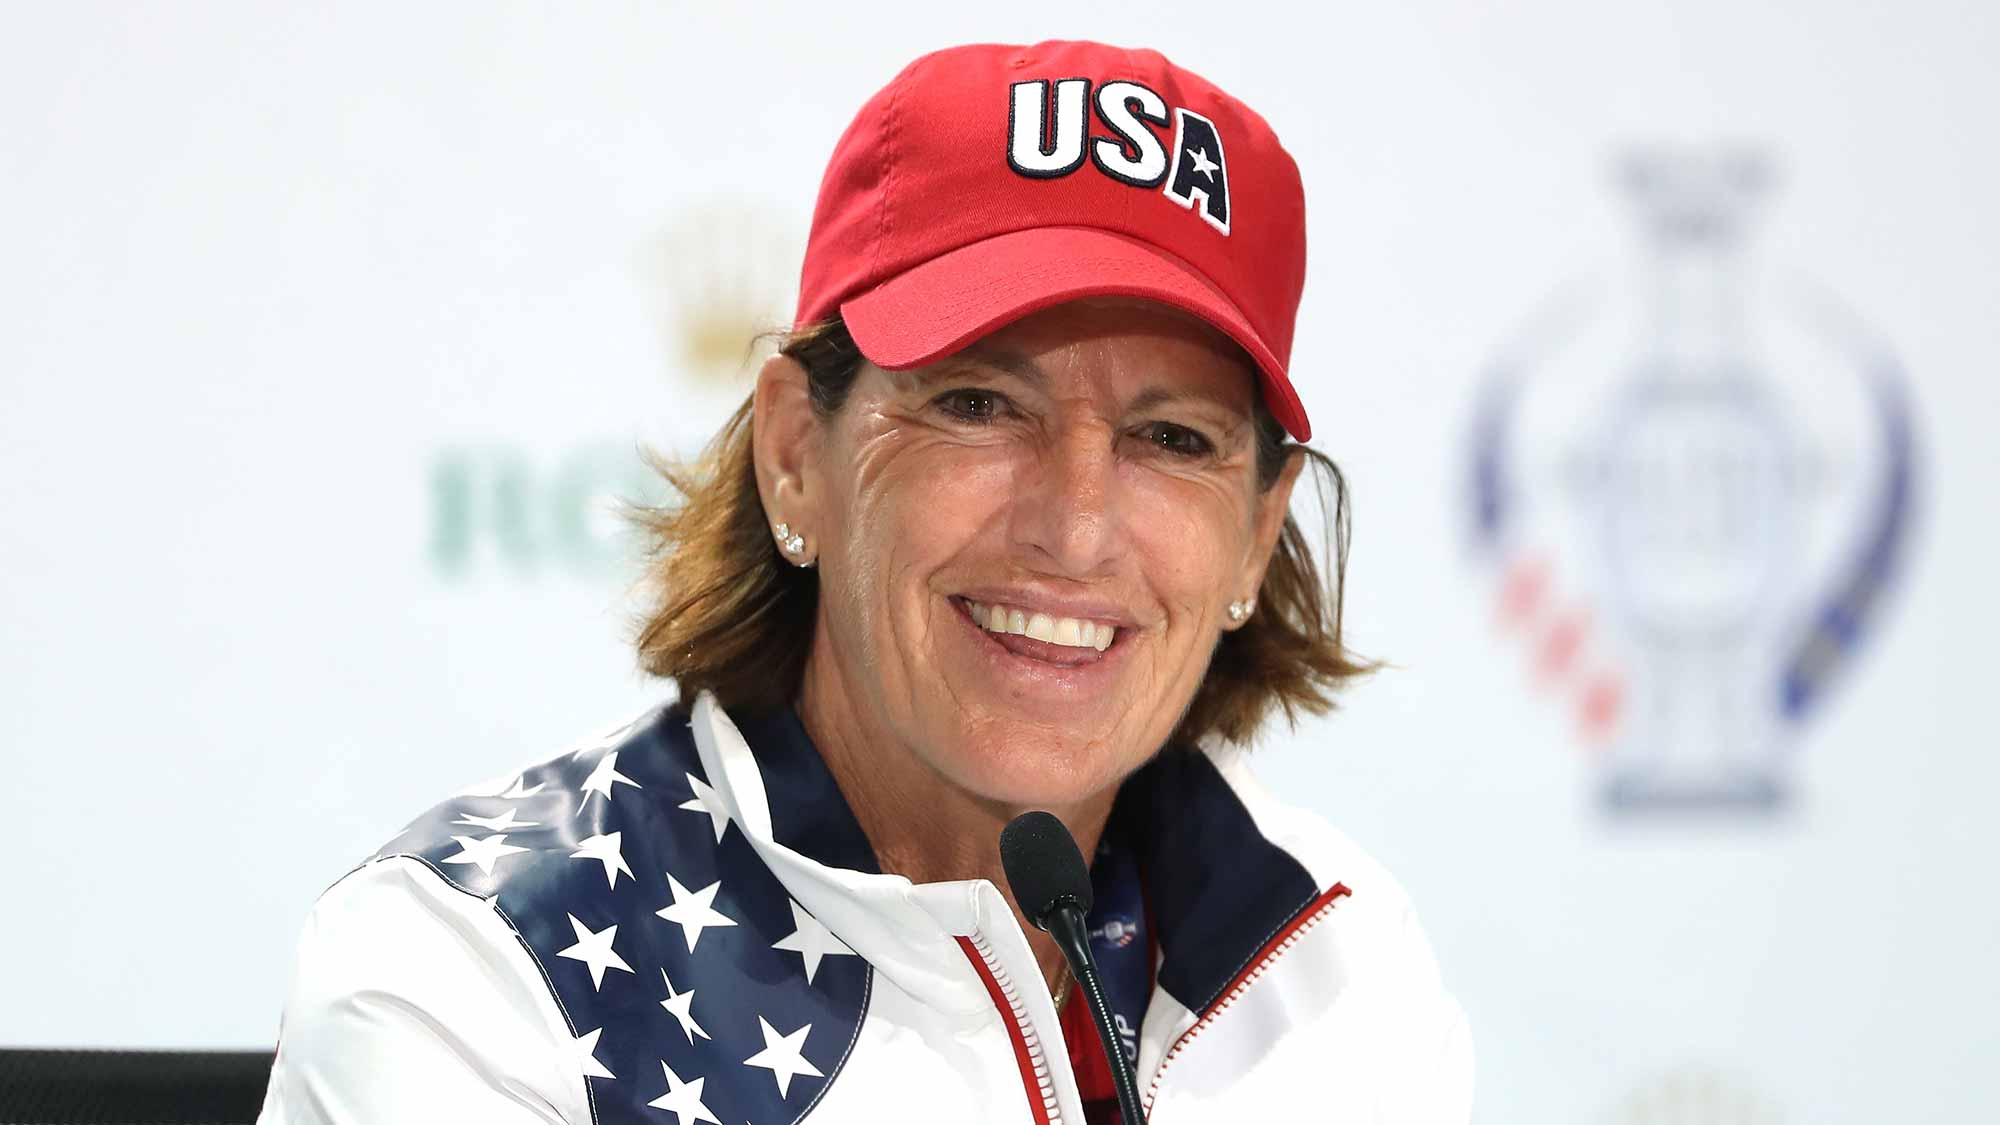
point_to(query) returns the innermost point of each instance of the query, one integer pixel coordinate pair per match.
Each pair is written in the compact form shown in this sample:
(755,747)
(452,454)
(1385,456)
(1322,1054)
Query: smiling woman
(1028,550)
(732,619)
(1004,527)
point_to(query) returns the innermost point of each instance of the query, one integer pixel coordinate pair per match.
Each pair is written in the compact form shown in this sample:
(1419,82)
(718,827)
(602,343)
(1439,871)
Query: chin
(1024,766)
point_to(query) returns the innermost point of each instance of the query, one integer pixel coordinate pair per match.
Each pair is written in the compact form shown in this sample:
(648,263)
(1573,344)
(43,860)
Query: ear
(784,430)
(1273,506)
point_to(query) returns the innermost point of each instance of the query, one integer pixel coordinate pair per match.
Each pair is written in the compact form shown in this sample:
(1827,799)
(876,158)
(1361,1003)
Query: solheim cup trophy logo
(1692,489)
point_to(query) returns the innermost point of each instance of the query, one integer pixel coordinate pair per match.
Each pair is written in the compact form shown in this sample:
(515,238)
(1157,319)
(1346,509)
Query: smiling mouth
(1081,635)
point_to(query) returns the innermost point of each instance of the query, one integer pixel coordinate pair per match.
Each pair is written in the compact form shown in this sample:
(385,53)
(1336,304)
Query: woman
(1003,527)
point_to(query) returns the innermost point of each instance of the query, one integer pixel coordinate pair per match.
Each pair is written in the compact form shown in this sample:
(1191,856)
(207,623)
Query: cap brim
(934,309)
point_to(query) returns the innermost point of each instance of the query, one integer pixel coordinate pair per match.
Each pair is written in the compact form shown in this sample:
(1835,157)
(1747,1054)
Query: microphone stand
(1051,885)
(1065,923)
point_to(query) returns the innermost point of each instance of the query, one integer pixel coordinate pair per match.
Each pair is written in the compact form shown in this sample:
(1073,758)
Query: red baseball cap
(988,182)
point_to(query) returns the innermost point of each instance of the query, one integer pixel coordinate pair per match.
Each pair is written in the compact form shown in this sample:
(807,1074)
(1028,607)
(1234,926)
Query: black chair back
(132,1087)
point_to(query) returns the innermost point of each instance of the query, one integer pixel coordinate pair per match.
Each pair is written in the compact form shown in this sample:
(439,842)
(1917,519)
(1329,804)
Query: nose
(1065,503)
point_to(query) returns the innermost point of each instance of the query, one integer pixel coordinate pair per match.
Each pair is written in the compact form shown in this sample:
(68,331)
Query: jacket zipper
(1036,1078)
(1312,914)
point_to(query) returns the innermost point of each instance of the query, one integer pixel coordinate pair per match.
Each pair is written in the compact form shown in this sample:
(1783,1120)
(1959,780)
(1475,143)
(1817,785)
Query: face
(1026,551)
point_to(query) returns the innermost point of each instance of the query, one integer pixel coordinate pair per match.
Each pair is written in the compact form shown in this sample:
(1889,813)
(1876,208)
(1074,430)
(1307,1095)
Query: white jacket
(675,924)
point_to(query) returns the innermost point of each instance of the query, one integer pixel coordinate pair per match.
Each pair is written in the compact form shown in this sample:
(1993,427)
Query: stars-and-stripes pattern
(697,988)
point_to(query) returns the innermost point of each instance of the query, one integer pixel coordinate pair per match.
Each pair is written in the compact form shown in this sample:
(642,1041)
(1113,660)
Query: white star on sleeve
(681,1006)
(586,1055)
(811,941)
(485,852)
(505,822)
(604,849)
(693,911)
(1203,164)
(594,950)
(782,1056)
(683,1099)
(602,778)
(707,800)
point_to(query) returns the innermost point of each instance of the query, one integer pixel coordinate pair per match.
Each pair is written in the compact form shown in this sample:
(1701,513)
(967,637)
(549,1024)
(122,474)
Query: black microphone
(1052,886)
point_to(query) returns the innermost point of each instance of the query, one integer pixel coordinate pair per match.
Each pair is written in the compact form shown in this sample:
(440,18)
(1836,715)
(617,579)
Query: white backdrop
(329,333)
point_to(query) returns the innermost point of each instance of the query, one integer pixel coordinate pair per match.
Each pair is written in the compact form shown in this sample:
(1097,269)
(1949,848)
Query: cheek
(1190,537)
(911,506)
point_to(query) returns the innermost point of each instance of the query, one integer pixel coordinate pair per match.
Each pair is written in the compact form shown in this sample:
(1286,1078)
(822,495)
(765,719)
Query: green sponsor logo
(502,509)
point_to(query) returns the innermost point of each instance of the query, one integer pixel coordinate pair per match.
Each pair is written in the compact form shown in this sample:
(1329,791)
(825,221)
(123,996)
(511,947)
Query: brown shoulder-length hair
(728,614)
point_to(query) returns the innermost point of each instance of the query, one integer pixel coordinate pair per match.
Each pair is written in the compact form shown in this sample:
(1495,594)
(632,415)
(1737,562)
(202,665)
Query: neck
(920,824)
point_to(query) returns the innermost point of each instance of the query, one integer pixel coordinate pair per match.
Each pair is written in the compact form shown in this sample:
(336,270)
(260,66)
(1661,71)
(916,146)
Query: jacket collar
(1216,887)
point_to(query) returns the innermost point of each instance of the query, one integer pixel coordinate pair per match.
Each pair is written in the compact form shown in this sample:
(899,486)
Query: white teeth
(1070,632)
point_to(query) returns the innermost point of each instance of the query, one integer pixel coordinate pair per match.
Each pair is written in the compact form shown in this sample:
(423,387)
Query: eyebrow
(1024,368)
(1156,396)
(984,355)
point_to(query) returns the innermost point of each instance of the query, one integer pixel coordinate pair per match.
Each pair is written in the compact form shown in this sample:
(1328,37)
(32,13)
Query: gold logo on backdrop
(724,273)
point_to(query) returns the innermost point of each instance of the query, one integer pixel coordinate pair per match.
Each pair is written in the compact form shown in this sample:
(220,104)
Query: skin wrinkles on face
(936,732)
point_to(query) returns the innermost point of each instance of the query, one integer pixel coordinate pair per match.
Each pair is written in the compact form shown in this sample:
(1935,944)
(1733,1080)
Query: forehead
(1126,343)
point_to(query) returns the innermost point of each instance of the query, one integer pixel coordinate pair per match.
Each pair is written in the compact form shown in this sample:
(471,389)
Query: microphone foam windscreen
(1042,864)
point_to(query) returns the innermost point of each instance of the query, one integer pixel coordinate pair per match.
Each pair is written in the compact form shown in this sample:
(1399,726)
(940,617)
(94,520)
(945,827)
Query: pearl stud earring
(1239,612)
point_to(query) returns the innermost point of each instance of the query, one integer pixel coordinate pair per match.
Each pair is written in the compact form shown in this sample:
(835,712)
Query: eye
(1181,441)
(971,404)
